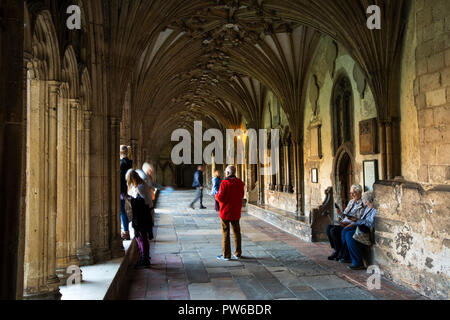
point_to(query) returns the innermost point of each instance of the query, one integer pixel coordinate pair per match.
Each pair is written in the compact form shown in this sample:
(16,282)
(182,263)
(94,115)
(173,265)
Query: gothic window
(342,113)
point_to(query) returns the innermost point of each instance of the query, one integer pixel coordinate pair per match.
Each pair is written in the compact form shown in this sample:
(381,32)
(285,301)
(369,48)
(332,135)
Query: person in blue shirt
(198,184)
(365,223)
(216,180)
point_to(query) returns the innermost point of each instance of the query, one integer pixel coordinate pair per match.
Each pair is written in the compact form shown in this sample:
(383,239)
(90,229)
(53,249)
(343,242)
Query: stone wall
(332,62)
(412,243)
(432,88)
(281,200)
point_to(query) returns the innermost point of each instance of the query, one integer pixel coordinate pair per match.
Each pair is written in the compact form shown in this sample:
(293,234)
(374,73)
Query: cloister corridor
(320,106)
(276,264)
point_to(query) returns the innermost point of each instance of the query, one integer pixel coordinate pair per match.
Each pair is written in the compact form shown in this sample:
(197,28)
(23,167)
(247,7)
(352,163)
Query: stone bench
(310,229)
(282,219)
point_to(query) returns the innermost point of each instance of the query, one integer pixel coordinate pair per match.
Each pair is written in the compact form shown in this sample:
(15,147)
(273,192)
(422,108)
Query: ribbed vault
(195,59)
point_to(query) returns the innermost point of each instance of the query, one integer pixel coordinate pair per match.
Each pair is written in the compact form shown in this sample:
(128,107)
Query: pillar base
(85,255)
(53,295)
(47,292)
(101,254)
(117,249)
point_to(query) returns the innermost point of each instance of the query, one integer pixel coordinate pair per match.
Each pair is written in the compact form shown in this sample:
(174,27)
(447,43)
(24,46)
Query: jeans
(199,196)
(345,250)
(354,247)
(226,246)
(123,215)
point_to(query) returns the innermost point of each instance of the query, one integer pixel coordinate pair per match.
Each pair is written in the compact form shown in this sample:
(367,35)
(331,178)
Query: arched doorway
(343,139)
(344,179)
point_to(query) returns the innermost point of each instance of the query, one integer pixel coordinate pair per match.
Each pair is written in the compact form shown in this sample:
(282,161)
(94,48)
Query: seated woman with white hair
(353,212)
(357,235)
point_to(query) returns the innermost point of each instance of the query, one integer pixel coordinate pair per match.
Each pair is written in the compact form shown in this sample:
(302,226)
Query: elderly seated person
(351,214)
(364,225)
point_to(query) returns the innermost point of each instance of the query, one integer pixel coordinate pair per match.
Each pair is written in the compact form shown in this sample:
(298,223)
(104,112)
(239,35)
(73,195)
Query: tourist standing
(230,195)
(216,180)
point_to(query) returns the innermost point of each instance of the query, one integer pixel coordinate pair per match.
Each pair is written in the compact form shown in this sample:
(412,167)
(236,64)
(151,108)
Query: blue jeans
(123,215)
(345,251)
(354,247)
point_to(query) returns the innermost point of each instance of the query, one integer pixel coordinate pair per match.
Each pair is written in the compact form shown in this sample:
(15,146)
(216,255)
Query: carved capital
(54,87)
(74,104)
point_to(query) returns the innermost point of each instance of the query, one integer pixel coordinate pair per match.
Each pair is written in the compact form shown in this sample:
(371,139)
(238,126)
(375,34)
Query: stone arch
(69,72)
(45,46)
(343,160)
(86,90)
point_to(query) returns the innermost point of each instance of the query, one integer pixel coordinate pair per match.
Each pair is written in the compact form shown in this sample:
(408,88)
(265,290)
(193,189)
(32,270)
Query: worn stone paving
(276,265)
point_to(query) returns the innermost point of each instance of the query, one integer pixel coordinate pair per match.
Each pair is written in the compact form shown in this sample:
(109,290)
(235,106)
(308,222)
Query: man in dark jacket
(125,165)
(198,183)
(230,197)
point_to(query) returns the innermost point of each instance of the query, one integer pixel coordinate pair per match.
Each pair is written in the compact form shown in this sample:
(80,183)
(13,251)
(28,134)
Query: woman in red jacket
(230,197)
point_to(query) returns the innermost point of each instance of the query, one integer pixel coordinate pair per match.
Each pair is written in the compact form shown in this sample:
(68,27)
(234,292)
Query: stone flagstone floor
(277,265)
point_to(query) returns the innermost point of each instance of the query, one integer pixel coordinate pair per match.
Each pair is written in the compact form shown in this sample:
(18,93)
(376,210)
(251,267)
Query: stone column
(74,219)
(52,279)
(116,245)
(63,183)
(41,281)
(84,249)
(134,144)
(299,173)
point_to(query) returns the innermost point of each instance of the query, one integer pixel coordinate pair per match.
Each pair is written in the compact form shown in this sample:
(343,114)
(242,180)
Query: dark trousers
(334,234)
(142,239)
(199,196)
(123,214)
(226,245)
(345,249)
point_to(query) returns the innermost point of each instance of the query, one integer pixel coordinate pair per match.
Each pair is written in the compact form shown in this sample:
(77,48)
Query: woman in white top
(142,222)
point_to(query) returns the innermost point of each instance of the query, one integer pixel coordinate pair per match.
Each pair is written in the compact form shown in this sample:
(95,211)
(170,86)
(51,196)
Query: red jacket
(230,197)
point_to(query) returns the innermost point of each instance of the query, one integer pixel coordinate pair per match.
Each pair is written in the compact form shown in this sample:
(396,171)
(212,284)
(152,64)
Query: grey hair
(230,170)
(368,196)
(146,166)
(357,188)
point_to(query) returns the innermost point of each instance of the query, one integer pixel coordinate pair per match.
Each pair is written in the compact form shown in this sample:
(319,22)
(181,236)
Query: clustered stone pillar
(74,106)
(116,245)
(62,219)
(40,252)
(84,250)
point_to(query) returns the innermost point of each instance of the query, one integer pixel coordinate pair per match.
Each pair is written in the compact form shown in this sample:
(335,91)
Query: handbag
(362,237)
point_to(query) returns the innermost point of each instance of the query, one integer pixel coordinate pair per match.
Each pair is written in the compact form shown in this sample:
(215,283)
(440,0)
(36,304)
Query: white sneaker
(222,258)
(236,257)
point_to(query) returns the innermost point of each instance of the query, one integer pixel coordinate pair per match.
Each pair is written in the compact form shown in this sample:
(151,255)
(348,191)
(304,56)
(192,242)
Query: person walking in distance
(230,197)
(198,183)
(125,165)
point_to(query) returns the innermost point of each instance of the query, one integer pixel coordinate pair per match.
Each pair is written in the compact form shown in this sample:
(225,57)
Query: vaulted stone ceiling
(214,60)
